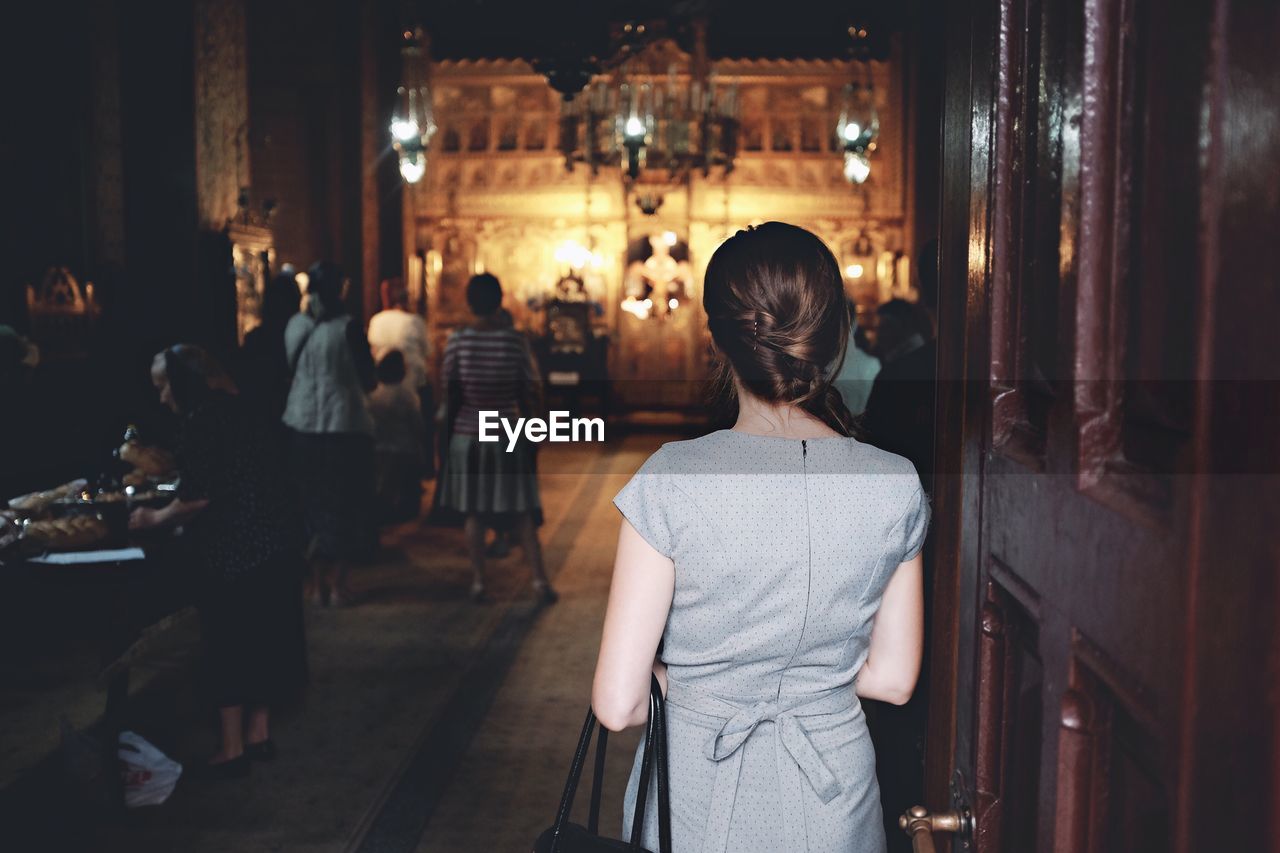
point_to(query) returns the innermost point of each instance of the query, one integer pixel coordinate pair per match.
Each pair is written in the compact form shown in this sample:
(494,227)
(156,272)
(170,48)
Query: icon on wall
(658,275)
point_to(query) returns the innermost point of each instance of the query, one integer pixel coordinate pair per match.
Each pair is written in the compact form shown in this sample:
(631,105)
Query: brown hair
(776,308)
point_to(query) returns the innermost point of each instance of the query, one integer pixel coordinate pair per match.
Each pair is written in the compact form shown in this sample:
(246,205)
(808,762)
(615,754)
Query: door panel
(1111,796)
(1092,427)
(1011,698)
(1024,319)
(1137,267)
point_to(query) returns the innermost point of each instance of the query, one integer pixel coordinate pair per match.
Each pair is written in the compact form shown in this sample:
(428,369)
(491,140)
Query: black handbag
(566,837)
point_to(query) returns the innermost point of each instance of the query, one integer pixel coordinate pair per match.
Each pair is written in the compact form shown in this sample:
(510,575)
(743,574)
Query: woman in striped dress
(488,367)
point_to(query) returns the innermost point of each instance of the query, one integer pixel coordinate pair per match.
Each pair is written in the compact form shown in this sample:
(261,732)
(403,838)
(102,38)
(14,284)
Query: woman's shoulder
(705,454)
(471,336)
(505,335)
(892,478)
(462,333)
(869,459)
(458,337)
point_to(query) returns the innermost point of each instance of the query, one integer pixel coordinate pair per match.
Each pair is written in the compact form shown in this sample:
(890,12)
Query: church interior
(1054,222)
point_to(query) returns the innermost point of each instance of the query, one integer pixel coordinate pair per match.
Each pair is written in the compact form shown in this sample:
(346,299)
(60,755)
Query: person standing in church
(397,328)
(858,371)
(488,366)
(262,370)
(332,431)
(768,575)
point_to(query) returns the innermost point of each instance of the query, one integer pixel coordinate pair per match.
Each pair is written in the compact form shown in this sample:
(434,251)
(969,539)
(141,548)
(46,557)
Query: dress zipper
(808,593)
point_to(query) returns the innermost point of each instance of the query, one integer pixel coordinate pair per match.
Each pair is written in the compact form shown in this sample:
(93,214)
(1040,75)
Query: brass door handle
(921,825)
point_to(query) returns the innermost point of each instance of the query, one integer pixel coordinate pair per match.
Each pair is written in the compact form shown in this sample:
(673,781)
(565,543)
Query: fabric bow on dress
(796,755)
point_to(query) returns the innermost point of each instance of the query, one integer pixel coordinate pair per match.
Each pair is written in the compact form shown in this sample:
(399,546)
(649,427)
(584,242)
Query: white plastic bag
(148,774)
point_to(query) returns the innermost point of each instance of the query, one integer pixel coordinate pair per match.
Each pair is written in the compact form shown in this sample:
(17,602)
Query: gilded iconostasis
(505,192)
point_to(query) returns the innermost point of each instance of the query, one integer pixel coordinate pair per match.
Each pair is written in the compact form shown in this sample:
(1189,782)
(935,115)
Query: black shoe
(544,593)
(236,768)
(264,751)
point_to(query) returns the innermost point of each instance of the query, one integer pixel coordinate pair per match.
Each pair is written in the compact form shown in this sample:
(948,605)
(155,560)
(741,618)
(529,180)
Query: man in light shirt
(398,328)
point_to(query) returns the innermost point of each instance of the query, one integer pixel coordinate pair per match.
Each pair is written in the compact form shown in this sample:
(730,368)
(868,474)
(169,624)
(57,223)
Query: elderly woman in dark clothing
(234,505)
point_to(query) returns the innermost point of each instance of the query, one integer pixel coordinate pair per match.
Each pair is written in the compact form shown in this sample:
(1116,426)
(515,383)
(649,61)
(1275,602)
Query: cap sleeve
(913,527)
(645,502)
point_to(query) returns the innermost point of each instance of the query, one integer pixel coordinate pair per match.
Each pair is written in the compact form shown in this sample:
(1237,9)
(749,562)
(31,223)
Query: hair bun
(776,308)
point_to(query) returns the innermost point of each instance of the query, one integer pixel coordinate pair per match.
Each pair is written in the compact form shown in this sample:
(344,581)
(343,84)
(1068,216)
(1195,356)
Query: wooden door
(1107,493)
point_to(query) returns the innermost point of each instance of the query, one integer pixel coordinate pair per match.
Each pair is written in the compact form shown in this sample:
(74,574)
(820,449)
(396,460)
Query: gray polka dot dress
(782,551)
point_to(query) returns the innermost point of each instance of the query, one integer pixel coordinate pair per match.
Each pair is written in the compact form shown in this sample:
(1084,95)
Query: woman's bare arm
(897,638)
(639,601)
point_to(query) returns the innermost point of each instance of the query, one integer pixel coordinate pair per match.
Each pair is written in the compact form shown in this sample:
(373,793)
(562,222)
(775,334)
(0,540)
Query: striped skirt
(483,478)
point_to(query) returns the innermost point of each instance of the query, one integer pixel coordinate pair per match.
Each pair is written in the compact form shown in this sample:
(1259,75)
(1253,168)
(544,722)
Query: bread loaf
(79,531)
(37,502)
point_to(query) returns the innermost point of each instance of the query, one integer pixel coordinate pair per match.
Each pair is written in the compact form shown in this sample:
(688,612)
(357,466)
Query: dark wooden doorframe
(1229,750)
(967,141)
(1223,748)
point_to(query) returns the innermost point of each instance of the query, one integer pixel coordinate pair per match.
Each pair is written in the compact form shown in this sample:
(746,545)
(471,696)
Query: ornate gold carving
(497,196)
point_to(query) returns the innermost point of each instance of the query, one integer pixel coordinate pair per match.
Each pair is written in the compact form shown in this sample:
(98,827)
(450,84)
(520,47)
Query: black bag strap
(655,756)
(597,783)
(659,710)
(646,769)
(575,773)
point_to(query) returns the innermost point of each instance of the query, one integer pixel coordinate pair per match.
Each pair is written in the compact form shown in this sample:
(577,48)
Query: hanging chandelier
(859,125)
(659,115)
(412,122)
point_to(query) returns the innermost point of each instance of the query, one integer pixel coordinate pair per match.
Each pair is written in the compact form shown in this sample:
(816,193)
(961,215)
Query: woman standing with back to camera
(332,370)
(778,562)
(488,367)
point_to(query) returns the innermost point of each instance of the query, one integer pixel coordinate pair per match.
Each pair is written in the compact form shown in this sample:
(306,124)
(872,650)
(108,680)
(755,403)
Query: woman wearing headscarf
(237,515)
